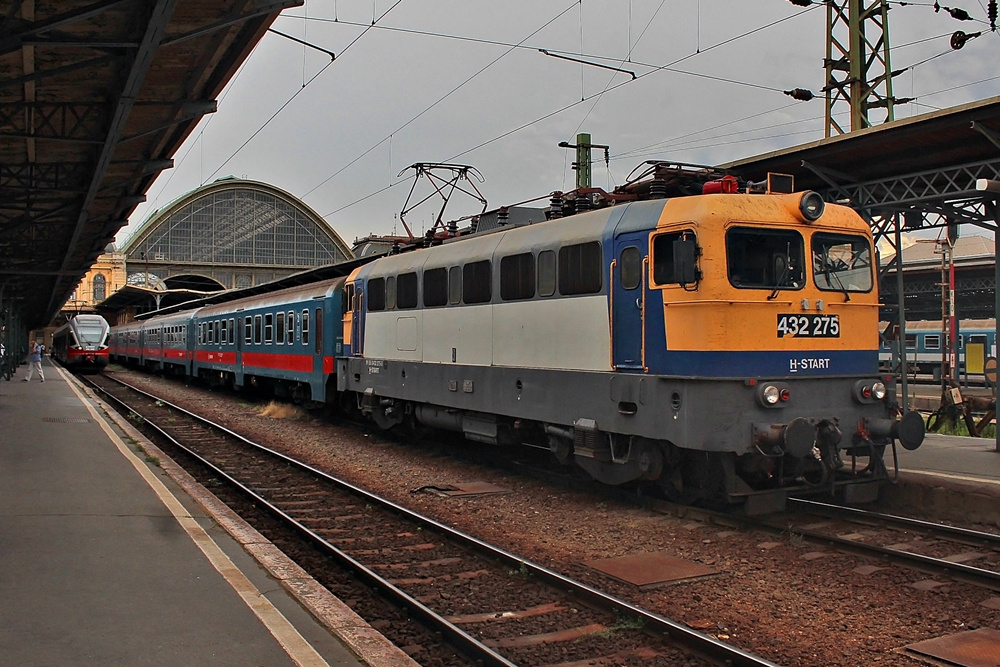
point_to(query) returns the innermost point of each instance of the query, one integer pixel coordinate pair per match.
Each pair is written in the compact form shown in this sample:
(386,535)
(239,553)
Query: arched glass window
(100,287)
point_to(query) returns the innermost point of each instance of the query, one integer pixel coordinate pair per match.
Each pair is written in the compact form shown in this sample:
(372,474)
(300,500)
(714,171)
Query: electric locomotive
(82,343)
(722,345)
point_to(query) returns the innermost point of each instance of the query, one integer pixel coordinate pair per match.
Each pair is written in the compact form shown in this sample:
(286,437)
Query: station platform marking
(294,644)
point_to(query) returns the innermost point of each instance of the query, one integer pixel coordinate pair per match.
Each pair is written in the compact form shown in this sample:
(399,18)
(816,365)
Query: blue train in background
(925,343)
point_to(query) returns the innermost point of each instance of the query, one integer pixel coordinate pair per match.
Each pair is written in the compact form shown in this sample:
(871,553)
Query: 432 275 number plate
(809,326)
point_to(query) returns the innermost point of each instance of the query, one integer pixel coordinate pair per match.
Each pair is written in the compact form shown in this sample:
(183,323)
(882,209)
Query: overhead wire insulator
(956,12)
(959,39)
(800,94)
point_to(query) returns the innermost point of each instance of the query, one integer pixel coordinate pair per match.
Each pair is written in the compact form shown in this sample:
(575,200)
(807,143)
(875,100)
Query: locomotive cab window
(674,258)
(842,263)
(765,258)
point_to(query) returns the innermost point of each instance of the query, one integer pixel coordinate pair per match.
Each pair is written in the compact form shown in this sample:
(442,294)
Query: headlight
(770,394)
(812,206)
(878,391)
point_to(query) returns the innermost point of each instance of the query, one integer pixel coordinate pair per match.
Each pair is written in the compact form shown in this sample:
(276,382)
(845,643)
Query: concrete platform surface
(104,560)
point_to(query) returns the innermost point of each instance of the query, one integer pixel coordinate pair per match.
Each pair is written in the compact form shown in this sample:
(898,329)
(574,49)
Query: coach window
(268,328)
(911,341)
(477,279)
(630,266)
(435,287)
(218,331)
(224,339)
(319,331)
(546,273)
(232,331)
(291,327)
(257,329)
(932,342)
(406,290)
(247,331)
(455,285)
(765,258)
(390,292)
(517,277)
(376,294)
(280,336)
(305,327)
(580,269)
(210,335)
(842,262)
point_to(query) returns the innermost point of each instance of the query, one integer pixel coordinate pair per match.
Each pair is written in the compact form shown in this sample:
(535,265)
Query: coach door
(628,301)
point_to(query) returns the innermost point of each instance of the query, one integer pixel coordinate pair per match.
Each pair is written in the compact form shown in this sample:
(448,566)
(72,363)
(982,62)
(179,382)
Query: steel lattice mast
(858,74)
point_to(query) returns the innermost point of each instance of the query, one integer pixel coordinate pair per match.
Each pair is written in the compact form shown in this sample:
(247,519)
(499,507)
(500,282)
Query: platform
(105,560)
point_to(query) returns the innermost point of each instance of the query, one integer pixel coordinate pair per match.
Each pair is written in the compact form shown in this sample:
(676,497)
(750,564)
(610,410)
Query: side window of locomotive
(305,327)
(280,324)
(517,277)
(477,279)
(455,285)
(580,269)
(435,287)
(268,328)
(390,293)
(546,273)
(291,327)
(665,269)
(765,258)
(630,265)
(376,294)
(257,329)
(406,290)
(842,262)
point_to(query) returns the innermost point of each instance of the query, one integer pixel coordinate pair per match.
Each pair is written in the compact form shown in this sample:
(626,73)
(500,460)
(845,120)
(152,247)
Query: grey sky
(440,81)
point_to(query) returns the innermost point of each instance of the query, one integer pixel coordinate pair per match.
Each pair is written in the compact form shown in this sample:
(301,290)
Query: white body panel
(571,334)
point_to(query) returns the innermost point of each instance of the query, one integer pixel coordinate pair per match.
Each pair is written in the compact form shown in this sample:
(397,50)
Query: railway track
(483,603)
(958,553)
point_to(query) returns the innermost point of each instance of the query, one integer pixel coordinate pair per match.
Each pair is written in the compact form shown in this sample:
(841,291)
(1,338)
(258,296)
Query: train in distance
(712,338)
(82,343)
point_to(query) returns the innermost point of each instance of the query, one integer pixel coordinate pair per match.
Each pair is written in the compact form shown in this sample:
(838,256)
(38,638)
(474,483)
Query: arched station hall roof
(235,223)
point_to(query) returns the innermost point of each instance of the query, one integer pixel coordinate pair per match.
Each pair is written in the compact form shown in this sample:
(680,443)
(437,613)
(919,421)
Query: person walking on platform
(34,362)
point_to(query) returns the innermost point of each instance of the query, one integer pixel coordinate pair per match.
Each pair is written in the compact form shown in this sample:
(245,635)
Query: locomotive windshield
(842,263)
(765,258)
(90,333)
